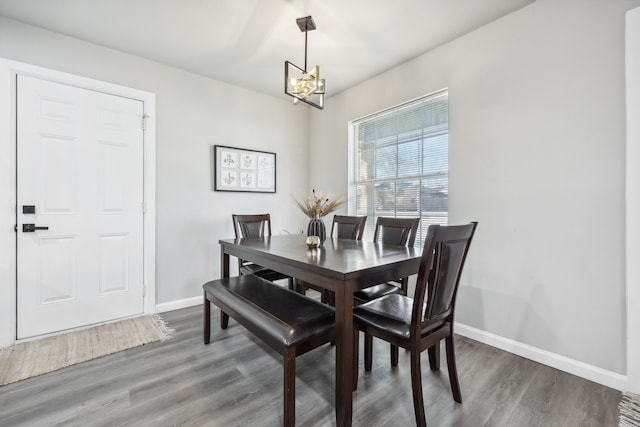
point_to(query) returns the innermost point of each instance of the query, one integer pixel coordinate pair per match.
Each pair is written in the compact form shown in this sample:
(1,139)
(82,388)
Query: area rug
(629,410)
(29,359)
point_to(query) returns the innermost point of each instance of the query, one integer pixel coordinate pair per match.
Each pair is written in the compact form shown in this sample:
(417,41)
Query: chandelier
(302,84)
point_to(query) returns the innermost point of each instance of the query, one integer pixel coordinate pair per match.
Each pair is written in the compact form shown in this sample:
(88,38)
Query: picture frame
(243,170)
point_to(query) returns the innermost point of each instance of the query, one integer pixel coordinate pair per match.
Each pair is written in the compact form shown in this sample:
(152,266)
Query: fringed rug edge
(629,408)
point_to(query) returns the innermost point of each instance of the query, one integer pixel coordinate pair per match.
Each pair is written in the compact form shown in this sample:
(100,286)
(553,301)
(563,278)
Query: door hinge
(144,121)
(144,207)
(15,228)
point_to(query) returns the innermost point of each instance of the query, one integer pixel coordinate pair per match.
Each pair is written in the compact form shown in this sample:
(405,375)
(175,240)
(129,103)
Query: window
(399,164)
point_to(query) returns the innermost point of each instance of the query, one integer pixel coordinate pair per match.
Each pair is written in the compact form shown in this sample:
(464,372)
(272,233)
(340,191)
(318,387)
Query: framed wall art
(239,169)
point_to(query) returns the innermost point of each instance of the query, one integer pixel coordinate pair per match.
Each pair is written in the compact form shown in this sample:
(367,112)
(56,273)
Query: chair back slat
(348,227)
(443,259)
(396,231)
(449,263)
(252,230)
(252,226)
(347,231)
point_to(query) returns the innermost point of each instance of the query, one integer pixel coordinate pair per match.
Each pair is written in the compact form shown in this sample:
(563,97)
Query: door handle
(30,228)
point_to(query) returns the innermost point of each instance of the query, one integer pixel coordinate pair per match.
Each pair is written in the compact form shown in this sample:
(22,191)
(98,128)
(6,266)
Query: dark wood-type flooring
(237,381)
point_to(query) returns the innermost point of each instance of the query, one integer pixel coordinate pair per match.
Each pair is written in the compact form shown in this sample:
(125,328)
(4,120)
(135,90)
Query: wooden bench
(288,322)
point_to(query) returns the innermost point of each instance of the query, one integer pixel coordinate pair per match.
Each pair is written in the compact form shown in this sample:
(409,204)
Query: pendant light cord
(306,31)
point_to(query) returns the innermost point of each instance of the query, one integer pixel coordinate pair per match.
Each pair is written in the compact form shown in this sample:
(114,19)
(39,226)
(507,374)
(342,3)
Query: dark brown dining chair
(342,227)
(256,227)
(413,323)
(390,231)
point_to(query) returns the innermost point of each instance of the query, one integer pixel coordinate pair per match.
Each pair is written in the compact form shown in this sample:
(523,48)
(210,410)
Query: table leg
(224,263)
(344,354)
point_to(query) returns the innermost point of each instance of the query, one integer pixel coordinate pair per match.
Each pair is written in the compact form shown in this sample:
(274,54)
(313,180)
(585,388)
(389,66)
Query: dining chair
(390,231)
(256,226)
(342,227)
(414,324)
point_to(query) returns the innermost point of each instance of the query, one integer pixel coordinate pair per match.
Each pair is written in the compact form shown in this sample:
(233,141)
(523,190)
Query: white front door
(80,174)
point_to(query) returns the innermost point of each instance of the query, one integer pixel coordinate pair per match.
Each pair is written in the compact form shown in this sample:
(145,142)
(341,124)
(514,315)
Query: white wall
(632,57)
(537,149)
(193,113)
(537,156)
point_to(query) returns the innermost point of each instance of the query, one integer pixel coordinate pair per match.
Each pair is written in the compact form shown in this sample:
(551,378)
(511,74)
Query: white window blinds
(400,166)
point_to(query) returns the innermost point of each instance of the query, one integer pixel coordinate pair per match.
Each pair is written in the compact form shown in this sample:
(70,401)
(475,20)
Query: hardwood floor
(237,381)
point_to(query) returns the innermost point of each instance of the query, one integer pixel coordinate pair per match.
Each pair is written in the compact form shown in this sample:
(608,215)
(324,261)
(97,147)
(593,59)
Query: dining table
(342,266)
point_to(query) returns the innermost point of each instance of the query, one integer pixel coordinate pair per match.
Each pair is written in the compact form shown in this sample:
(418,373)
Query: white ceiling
(245,42)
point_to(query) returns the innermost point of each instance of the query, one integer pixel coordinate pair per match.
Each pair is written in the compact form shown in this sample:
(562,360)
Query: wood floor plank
(237,381)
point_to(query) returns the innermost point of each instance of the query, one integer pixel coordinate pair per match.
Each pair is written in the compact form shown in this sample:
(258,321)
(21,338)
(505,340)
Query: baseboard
(178,304)
(563,363)
(575,367)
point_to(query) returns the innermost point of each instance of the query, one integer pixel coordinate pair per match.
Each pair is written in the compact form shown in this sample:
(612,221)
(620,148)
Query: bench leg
(207,320)
(290,388)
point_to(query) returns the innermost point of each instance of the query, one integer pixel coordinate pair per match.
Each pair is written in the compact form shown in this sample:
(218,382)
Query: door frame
(632,64)
(8,186)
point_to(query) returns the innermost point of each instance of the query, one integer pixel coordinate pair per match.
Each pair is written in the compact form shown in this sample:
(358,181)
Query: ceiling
(245,42)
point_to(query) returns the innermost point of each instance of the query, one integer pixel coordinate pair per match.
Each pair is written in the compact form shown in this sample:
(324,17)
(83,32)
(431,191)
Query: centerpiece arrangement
(317,206)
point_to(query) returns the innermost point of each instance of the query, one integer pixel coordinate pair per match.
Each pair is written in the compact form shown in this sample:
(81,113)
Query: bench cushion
(277,315)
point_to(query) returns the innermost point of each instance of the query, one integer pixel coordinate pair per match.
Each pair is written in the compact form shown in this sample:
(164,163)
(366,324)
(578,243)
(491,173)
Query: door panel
(59,160)
(80,162)
(58,265)
(114,269)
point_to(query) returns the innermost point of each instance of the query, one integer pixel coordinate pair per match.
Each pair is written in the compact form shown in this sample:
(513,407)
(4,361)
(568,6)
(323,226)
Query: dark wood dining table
(342,266)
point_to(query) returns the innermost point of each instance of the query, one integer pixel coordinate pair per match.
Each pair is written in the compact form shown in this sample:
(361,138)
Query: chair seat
(263,272)
(251,268)
(364,295)
(390,313)
(377,291)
